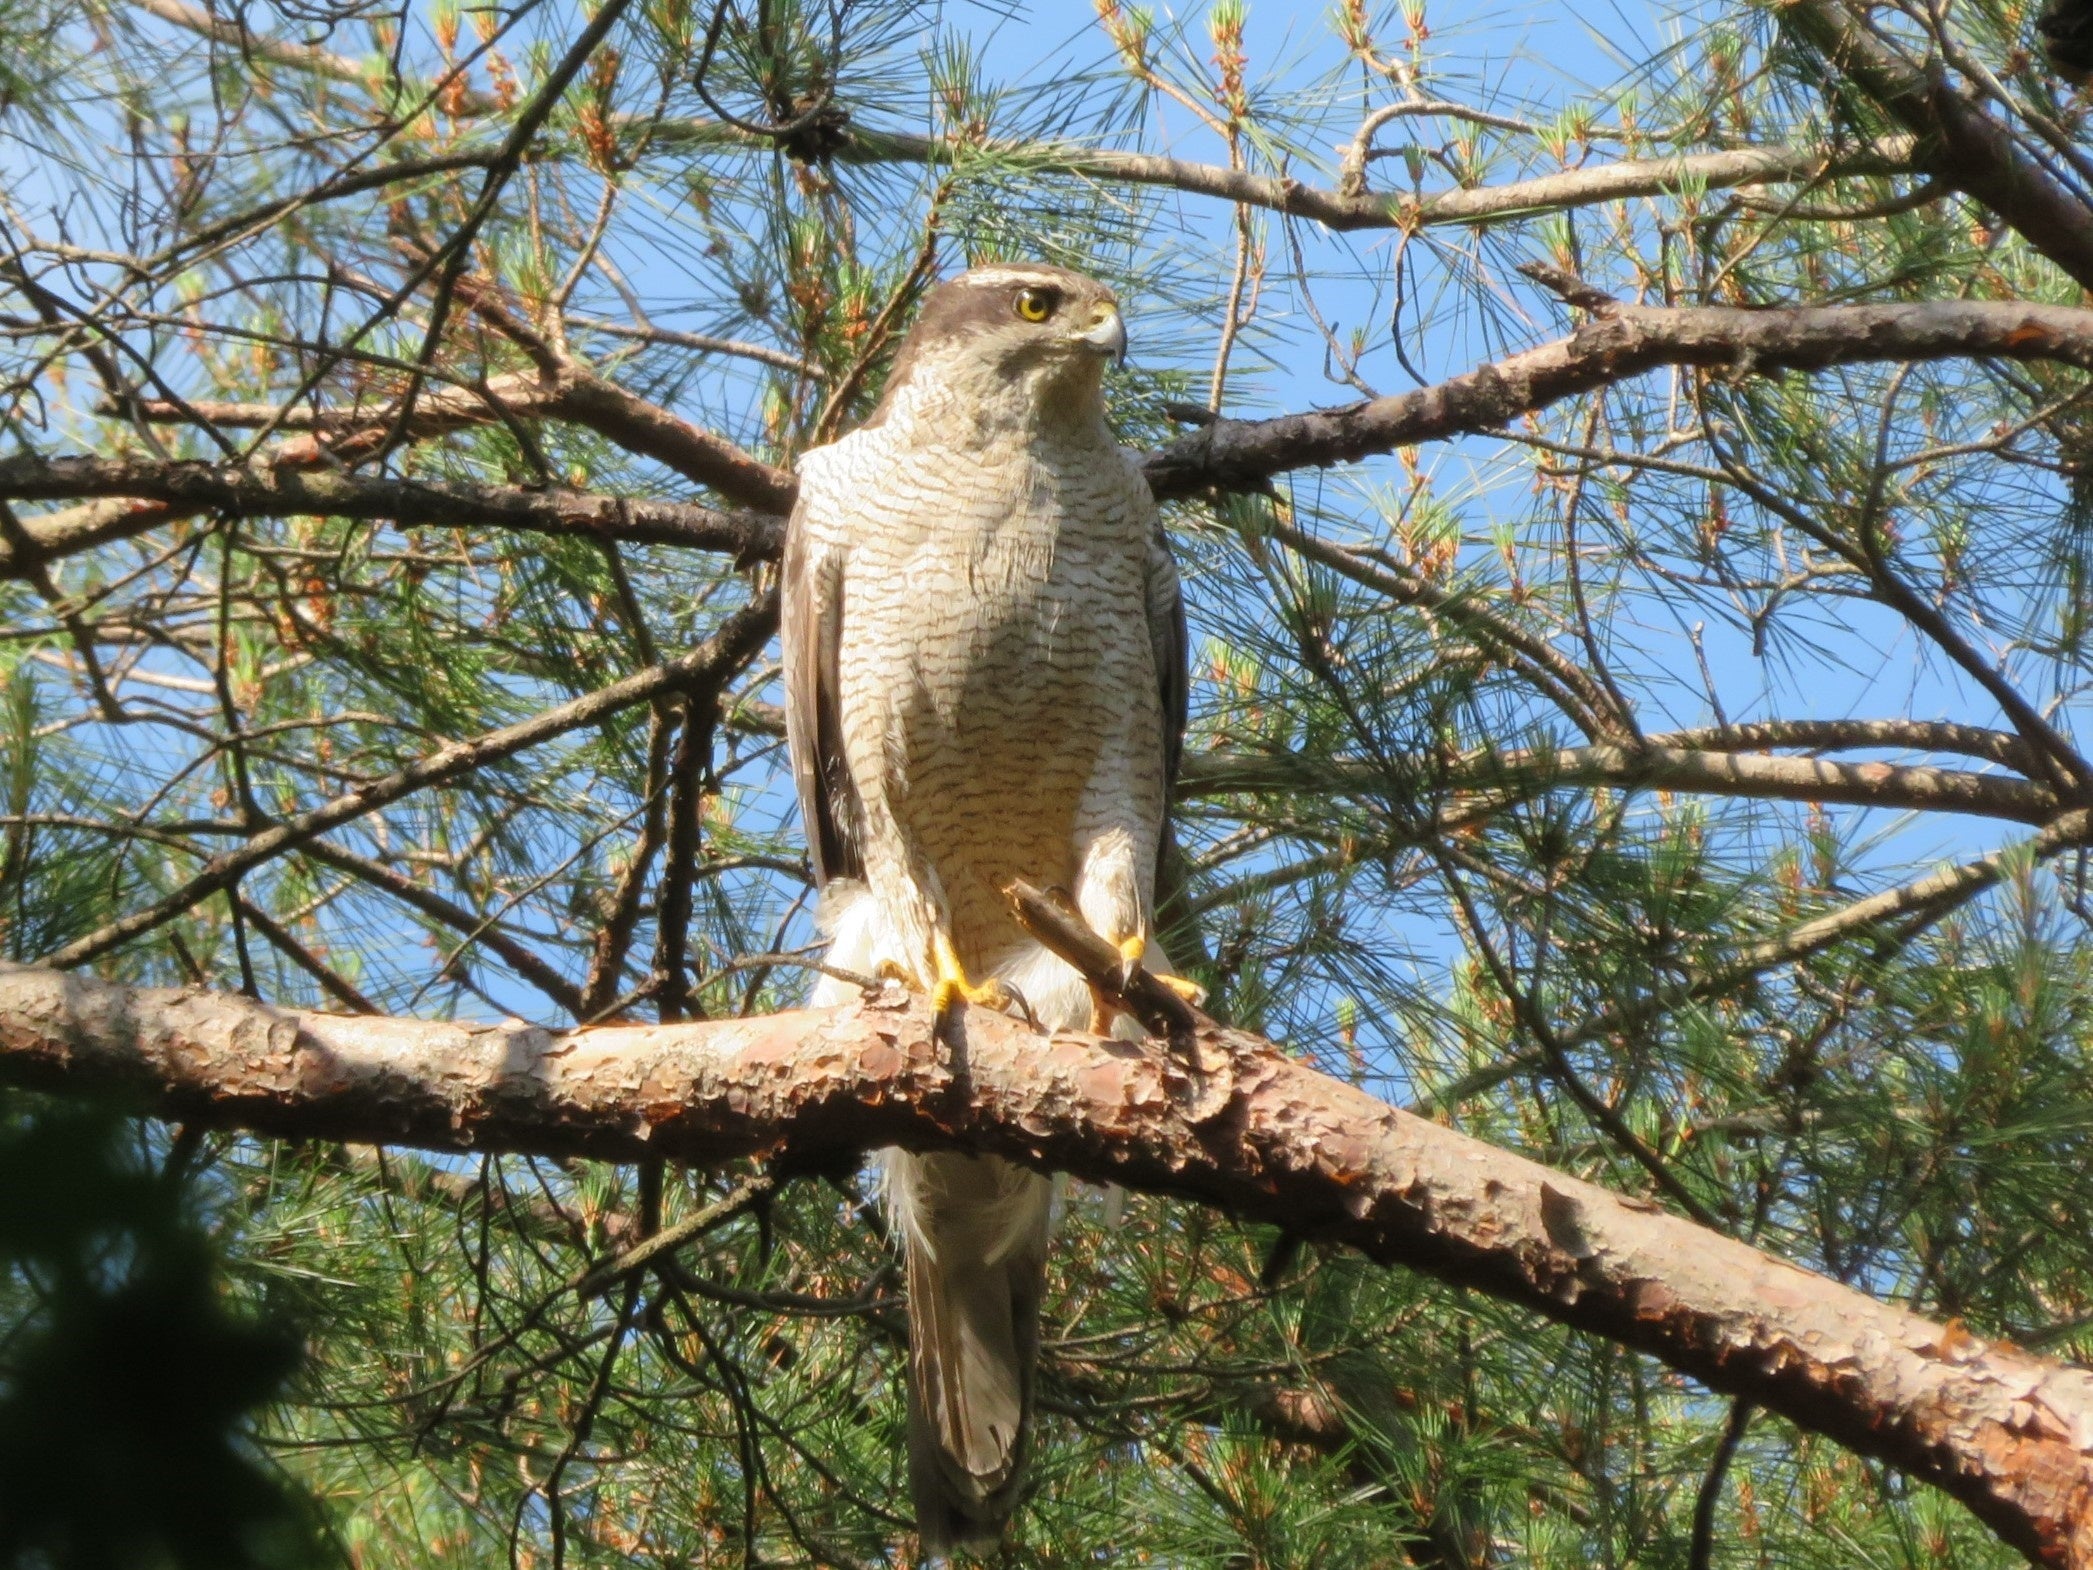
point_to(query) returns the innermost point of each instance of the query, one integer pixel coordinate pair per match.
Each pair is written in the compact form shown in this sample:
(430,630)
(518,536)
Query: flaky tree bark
(2007,1432)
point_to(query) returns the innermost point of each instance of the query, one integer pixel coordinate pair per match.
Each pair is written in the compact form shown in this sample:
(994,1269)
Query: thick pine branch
(1958,139)
(2007,1432)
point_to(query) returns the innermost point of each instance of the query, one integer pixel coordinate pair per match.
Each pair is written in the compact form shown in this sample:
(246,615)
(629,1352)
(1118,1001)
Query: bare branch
(273,491)
(647,428)
(1589,705)
(1626,341)
(1652,767)
(575,394)
(308,58)
(700,343)
(1337,209)
(1923,900)
(1949,886)
(1974,741)
(57,534)
(286,943)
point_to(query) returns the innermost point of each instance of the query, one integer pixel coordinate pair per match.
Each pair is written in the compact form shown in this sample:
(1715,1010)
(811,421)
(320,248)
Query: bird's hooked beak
(1107,334)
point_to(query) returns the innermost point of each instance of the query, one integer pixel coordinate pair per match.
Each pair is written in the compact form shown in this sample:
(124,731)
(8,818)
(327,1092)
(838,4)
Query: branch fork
(1200,1066)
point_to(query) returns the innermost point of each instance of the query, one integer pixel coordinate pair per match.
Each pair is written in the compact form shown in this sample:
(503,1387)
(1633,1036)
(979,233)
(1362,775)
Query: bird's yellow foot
(953,989)
(1184,986)
(1130,952)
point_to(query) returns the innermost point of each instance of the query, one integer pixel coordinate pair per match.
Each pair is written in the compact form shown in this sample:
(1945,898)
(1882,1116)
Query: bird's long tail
(973,1233)
(974,1237)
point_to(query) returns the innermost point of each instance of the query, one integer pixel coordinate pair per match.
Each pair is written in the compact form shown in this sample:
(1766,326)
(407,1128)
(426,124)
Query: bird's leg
(1103,1011)
(952,988)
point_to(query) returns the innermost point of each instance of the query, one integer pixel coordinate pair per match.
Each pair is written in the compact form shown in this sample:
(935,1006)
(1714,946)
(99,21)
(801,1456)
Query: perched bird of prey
(985,680)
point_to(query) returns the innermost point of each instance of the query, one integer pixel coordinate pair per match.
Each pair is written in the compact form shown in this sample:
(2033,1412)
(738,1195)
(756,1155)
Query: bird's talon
(1184,986)
(1131,951)
(1017,1000)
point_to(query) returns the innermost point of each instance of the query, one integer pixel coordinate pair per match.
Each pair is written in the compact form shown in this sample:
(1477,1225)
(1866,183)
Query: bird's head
(1027,340)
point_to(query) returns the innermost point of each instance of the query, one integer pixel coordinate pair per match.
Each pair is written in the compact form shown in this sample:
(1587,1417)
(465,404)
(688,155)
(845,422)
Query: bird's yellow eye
(1035,305)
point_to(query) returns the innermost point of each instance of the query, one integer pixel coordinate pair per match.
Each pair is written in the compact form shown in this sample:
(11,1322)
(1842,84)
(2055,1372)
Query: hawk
(984,661)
